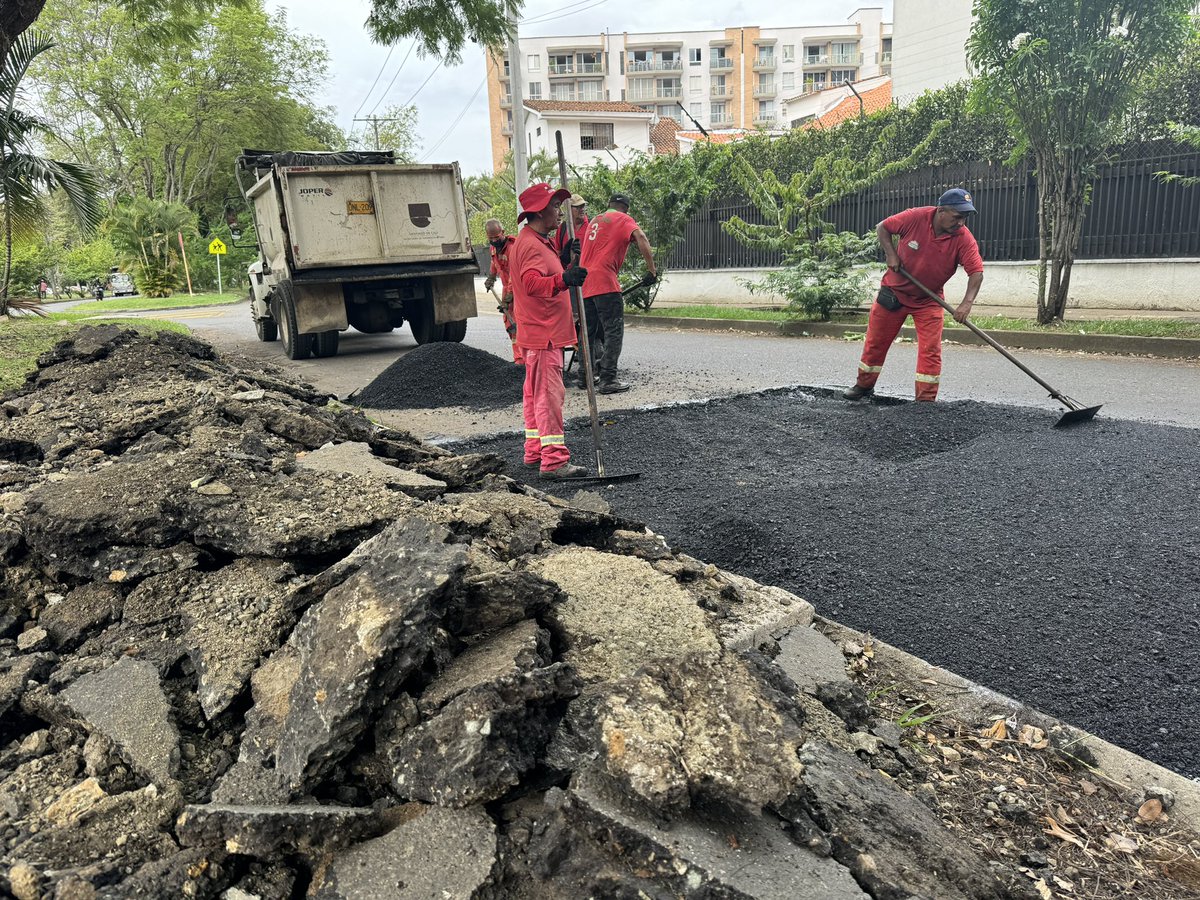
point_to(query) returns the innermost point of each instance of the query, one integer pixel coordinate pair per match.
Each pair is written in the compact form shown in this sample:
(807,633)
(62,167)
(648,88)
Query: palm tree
(25,176)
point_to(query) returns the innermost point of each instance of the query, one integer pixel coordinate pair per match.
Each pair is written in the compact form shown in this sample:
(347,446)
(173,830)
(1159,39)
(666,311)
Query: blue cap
(958,200)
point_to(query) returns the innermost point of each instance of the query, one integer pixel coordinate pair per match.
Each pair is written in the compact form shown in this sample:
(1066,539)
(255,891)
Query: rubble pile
(254,646)
(443,374)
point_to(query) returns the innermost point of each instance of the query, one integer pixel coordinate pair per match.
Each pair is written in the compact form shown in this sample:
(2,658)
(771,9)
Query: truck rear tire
(455,331)
(325,344)
(295,345)
(268,330)
(420,320)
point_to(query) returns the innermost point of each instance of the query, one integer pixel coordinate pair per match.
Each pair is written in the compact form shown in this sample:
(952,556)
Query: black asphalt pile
(438,375)
(1061,567)
(252,647)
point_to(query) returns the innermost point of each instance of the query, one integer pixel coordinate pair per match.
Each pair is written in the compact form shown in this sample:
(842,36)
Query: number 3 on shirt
(593,230)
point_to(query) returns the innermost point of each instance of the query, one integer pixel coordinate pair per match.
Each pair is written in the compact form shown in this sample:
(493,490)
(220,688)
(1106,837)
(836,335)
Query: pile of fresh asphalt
(254,647)
(434,376)
(1061,567)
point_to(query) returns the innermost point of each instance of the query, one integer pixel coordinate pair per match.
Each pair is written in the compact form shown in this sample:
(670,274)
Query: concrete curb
(1117,344)
(975,704)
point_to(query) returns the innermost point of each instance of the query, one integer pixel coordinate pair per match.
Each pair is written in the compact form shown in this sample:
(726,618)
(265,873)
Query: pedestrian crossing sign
(217,247)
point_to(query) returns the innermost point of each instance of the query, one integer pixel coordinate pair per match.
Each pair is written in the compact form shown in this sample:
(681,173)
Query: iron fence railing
(1133,213)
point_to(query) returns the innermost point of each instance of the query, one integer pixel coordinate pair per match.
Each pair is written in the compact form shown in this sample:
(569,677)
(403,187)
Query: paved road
(671,366)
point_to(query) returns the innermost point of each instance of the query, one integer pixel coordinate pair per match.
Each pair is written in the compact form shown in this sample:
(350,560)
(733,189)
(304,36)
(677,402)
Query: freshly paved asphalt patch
(444,374)
(1061,567)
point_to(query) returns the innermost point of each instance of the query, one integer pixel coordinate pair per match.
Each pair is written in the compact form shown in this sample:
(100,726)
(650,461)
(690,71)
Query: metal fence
(1133,214)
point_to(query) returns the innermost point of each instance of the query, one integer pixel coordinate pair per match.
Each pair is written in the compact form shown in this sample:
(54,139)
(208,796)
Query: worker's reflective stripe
(863,367)
(553,440)
(531,434)
(929,379)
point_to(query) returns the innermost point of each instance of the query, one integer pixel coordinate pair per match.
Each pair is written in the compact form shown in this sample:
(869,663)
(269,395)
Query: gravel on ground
(1058,566)
(438,375)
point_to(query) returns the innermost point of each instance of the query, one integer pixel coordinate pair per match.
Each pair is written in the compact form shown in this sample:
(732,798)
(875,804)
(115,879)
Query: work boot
(566,470)
(613,387)
(857,393)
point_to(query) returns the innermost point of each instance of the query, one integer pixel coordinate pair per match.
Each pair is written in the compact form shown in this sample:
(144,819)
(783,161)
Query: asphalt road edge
(1116,344)
(973,702)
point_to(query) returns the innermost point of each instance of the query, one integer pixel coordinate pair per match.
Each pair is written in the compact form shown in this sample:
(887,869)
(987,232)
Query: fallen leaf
(1088,787)
(1064,816)
(1033,737)
(117,575)
(928,681)
(951,755)
(1063,885)
(1043,889)
(734,843)
(1056,830)
(1150,811)
(1021,781)
(997,732)
(1122,843)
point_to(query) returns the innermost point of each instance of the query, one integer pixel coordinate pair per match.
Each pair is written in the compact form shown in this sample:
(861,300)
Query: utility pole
(374,121)
(520,161)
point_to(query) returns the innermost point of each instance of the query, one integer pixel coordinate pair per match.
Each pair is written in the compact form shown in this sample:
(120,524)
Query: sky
(452,125)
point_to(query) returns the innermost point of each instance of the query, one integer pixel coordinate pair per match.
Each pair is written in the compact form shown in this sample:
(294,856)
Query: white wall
(928,45)
(630,135)
(1144,285)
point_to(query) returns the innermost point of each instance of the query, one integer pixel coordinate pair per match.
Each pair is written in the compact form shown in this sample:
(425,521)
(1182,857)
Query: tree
(1065,74)
(395,130)
(146,234)
(443,27)
(26,177)
(819,265)
(666,192)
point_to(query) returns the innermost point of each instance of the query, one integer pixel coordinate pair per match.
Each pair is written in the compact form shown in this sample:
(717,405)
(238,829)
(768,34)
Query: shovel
(1076,411)
(602,476)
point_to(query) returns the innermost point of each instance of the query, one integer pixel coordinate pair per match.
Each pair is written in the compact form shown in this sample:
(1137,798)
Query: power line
(378,75)
(409,101)
(576,12)
(550,12)
(387,89)
(454,124)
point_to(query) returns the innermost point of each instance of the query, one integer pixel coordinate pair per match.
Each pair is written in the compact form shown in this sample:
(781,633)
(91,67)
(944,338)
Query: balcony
(816,62)
(590,68)
(720,119)
(813,88)
(723,62)
(558,69)
(885,58)
(885,69)
(720,91)
(654,65)
(766,61)
(765,121)
(506,101)
(506,129)
(764,91)
(846,59)
(644,95)
(504,72)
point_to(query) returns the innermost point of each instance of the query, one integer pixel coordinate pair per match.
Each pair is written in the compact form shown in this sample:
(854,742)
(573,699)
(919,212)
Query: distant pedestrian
(930,242)
(43,289)
(500,244)
(604,248)
(542,305)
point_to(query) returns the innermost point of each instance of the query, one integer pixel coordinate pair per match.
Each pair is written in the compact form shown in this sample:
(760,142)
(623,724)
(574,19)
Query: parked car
(120,284)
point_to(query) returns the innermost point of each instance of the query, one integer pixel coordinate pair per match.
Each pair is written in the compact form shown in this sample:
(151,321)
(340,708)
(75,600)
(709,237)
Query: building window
(766,109)
(590,64)
(789,52)
(694,84)
(535,90)
(845,54)
(595,135)
(695,56)
(539,131)
(670,112)
(814,55)
(837,76)
(814,81)
(718,114)
(534,63)
(564,91)
(591,90)
(696,108)
(789,81)
(717,86)
(562,64)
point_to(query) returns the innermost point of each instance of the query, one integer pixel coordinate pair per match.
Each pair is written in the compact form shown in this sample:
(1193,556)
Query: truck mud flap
(320,307)
(453,298)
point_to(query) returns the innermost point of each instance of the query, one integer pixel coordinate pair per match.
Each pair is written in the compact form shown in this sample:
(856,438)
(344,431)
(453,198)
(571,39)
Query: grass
(134,304)
(1131,327)
(23,339)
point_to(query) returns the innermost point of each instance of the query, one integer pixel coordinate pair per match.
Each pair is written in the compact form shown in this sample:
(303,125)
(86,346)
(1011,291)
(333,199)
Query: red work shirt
(562,236)
(929,259)
(500,264)
(541,304)
(603,253)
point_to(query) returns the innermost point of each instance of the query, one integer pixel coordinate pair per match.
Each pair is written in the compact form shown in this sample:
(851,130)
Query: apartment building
(732,78)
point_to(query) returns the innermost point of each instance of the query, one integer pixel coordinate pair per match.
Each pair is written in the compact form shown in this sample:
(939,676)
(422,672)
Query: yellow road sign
(217,247)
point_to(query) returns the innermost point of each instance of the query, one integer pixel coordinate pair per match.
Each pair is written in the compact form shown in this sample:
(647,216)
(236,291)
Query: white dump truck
(353,239)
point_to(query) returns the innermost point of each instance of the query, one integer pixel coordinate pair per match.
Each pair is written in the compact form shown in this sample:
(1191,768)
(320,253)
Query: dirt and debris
(434,376)
(1061,567)
(315,682)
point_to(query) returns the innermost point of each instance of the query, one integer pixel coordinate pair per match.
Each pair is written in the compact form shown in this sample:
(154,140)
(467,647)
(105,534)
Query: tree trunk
(15,18)
(7,260)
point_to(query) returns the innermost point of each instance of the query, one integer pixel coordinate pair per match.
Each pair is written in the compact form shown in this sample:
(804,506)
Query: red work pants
(510,325)
(545,442)
(882,328)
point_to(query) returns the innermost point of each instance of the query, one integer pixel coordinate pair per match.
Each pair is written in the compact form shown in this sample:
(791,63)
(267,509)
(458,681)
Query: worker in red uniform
(605,244)
(930,242)
(545,327)
(562,240)
(500,244)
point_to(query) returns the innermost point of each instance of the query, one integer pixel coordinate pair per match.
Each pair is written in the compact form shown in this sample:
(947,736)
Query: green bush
(824,275)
